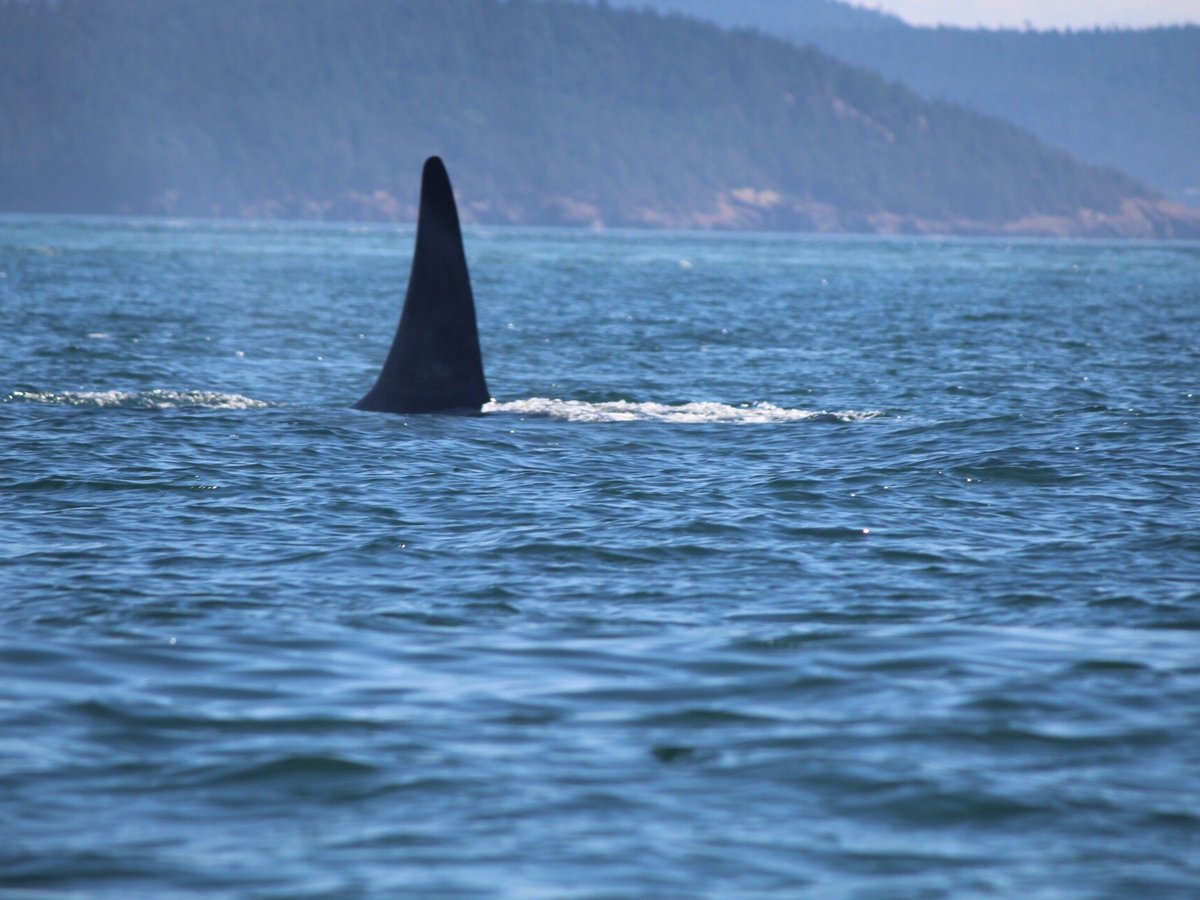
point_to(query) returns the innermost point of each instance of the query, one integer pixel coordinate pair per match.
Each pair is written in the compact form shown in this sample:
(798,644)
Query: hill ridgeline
(547,112)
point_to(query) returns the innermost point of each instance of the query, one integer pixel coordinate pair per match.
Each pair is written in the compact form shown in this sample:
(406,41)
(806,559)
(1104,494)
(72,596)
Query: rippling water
(834,567)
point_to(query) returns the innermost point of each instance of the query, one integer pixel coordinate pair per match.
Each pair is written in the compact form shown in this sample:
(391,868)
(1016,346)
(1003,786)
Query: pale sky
(1042,14)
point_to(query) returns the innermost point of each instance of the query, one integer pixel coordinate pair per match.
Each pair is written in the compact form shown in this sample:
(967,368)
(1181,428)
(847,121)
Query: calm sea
(778,566)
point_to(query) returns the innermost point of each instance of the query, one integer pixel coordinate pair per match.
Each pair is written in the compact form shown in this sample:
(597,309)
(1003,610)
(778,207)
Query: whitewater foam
(681,413)
(532,407)
(155,399)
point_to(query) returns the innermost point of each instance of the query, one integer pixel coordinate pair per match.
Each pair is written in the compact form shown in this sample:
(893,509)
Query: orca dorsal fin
(435,364)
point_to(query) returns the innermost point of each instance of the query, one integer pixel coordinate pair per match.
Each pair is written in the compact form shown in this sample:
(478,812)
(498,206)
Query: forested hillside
(1129,99)
(1123,98)
(547,112)
(786,17)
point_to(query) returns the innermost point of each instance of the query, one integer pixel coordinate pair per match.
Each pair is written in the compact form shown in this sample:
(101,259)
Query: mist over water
(777,565)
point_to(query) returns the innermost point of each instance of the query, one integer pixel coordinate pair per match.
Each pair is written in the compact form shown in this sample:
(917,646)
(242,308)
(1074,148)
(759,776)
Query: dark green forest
(1123,98)
(546,112)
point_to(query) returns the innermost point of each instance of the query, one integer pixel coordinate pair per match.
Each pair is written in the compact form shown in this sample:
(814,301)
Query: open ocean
(789,566)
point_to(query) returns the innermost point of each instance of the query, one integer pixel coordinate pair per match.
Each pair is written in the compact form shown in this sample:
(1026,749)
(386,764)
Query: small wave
(157,399)
(681,413)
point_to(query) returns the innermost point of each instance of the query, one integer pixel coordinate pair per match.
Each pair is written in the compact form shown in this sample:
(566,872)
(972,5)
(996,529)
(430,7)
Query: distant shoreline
(476,229)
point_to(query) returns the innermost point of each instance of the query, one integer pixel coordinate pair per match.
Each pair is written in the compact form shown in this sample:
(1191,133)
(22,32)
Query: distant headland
(554,112)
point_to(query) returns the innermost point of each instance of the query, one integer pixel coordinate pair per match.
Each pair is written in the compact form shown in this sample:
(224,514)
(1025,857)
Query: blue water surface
(778,566)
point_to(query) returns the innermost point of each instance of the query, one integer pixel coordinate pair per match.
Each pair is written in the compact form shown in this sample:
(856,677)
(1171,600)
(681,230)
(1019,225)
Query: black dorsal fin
(434,364)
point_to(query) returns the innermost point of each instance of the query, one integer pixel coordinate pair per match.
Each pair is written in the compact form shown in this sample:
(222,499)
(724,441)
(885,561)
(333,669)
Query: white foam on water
(681,413)
(535,407)
(156,399)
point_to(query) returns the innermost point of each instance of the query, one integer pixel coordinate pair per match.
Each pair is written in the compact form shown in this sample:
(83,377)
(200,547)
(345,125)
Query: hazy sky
(1041,13)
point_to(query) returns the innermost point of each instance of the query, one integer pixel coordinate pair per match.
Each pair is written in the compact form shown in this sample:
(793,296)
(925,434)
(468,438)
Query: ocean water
(779,565)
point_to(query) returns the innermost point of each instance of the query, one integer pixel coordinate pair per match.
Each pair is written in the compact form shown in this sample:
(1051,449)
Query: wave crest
(681,413)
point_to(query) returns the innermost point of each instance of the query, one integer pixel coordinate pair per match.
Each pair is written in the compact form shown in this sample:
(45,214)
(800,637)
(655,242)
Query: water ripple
(255,642)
